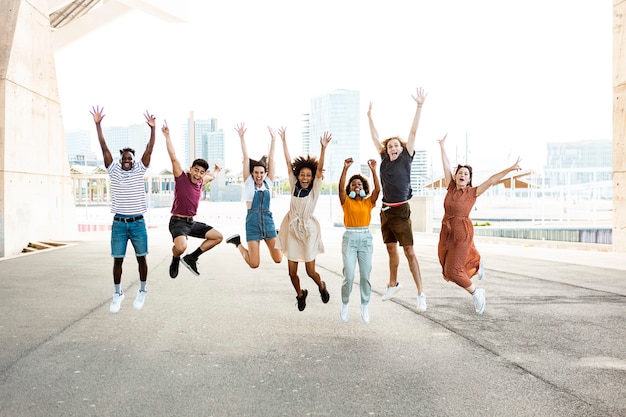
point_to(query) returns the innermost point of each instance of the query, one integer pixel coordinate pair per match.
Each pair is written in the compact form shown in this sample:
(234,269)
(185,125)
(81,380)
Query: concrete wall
(619,125)
(422,213)
(36,202)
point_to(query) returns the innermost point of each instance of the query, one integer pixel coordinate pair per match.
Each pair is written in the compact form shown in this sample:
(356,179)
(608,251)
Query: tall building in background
(79,148)
(420,174)
(339,113)
(203,139)
(134,136)
(583,167)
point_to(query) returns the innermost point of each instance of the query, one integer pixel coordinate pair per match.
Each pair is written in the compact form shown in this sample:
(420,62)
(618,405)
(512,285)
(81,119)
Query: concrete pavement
(232,342)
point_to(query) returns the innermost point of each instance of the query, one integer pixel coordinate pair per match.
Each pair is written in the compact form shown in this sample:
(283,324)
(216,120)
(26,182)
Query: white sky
(509,75)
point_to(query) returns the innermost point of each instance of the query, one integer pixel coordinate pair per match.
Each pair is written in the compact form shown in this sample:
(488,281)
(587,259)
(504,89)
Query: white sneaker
(421,302)
(140,299)
(479,300)
(365,314)
(116,303)
(343,315)
(391,291)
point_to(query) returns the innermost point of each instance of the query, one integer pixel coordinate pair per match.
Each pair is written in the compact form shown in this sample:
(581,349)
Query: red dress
(456,250)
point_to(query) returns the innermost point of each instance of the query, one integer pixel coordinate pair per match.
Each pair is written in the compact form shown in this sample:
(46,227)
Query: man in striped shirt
(128,203)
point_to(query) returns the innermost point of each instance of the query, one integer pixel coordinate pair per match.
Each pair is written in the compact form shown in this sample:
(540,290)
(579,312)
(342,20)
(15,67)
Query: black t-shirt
(395,177)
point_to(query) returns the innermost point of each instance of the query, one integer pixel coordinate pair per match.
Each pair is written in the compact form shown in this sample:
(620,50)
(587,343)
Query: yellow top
(357,213)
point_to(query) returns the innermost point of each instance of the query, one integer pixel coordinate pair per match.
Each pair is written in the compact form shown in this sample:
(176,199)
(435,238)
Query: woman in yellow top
(357,240)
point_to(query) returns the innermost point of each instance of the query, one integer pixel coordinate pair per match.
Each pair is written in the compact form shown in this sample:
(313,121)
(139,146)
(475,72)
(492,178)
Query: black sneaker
(324,294)
(235,240)
(174,267)
(190,264)
(302,300)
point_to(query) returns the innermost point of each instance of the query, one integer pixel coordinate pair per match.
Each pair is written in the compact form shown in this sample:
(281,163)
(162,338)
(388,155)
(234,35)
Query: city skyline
(490,79)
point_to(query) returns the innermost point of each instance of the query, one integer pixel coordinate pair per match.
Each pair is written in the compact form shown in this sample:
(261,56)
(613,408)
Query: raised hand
(325,139)
(282,132)
(150,119)
(97,114)
(515,166)
(241,129)
(165,129)
(272,133)
(442,141)
(420,96)
(372,164)
(347,162)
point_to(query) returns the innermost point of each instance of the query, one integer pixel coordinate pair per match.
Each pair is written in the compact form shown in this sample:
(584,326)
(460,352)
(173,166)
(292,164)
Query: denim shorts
(122,232)
(259,226)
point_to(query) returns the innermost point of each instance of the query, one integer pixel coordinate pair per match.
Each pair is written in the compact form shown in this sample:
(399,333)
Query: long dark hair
(260,163)
(469,168)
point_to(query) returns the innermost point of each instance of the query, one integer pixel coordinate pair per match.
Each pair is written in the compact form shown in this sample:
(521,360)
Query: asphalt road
(233,343)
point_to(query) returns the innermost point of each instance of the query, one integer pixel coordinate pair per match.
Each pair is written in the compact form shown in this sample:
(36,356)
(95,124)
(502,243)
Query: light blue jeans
(357,246)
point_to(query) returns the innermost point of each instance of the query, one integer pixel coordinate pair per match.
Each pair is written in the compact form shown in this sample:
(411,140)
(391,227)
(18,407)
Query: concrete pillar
(619,125)
(422,214)
(36,202)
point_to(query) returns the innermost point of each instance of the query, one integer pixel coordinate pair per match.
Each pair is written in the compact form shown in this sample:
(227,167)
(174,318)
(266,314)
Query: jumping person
(356,244)
(258,178)
(300,236)
(187,192)
(128,203)
(395,214)
(457,253)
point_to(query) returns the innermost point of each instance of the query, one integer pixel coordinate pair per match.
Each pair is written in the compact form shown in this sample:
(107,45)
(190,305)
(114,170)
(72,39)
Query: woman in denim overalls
(258,178)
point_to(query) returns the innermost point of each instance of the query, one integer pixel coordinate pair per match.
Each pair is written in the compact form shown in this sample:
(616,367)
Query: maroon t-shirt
(186,195)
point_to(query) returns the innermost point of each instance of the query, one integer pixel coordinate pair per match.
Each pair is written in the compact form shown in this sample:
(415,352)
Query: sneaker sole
(186,265)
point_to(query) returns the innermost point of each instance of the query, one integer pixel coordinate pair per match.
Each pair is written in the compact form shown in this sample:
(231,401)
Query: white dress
(300,236)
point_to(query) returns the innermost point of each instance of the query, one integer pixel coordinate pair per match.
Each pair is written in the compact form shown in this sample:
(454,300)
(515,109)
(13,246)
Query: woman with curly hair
(299,236)
(356,244)
(258,179)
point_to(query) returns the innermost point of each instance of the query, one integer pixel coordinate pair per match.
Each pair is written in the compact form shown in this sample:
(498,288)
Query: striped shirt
(128,190)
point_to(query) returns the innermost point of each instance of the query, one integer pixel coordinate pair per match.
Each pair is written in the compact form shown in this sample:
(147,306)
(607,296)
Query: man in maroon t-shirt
(187,191)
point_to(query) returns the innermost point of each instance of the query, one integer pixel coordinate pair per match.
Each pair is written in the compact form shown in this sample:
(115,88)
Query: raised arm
(373,131)
(419,98)
(324,141)
(342,180)
(270,157)
(497,177)
(283,137)
(147,154)
(97,113)
(210,176)
(376,191)
(447,168)
(176,168)
(241,130)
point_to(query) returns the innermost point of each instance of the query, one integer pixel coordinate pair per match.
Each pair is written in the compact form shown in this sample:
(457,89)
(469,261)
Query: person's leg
(311,272)
(394,262)
(180,246)
(293,275)
(364,256)
(252,255)
(276,254)
(117,272)
(414,267)
(349,253)
(212,238)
